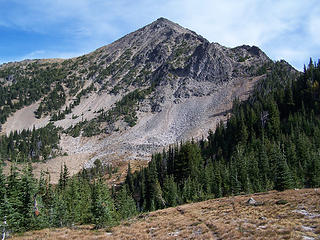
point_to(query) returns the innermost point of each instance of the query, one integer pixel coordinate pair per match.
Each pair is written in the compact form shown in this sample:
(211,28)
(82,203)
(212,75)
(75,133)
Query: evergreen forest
(270,142)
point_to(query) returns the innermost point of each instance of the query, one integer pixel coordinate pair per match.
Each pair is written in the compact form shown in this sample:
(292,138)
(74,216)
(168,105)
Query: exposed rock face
(194,83)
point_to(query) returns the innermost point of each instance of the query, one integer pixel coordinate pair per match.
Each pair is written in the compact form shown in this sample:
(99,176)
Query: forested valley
(271,141)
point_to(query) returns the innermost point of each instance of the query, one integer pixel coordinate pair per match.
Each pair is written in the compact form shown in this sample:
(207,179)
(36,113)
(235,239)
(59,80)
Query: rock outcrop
(193,83)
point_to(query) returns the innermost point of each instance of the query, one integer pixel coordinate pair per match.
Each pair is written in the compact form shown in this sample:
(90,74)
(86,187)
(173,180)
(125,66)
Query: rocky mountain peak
(167,25)
(157,85)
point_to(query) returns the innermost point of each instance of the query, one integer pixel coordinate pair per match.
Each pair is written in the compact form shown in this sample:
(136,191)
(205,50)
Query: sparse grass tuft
(224,218)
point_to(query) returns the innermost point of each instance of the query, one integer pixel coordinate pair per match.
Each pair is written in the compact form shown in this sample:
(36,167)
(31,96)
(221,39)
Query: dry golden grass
(120,176)
(297,217)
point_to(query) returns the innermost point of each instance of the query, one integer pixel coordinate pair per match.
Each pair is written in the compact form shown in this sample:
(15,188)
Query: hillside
(292,214)
(270,141)
(153,87)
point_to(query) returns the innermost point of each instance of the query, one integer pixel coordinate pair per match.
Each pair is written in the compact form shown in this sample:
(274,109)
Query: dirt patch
(24,119)
(53,166)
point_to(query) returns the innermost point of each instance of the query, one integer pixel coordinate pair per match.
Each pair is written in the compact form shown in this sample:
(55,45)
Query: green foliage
(270,142)
(91,128)
(125,205)
(28,84)
(28,204)
(54,101)
(125,108)
(243,59)
(283,178)
(33,144)
(170,192)
(102,208)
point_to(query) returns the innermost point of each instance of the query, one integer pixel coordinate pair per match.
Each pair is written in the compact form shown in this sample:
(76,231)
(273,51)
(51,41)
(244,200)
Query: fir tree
(103,211)
(126,206)
(2,196)
(14,204)
(170,192)
(283,179)
(27,193)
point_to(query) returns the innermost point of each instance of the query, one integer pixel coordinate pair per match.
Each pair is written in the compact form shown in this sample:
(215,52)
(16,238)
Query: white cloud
(238,22)
(314,27)
(38,54)
(292,26)
(280,28)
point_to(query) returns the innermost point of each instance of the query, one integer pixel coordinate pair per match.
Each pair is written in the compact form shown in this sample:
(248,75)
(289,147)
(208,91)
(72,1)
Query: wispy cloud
(38,54)
(283,29)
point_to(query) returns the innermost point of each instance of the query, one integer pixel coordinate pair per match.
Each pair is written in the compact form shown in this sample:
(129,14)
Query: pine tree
(263,163)
(207,179)
(158,198)
(27,193)
(64,176)
(129,180)
(59,212)
(188,162)
(217,180)
(313,173)
(192,191)
(150,188)
(242,168)
(283,179)
(13,202)
(103,211)
(2,195)
(170,192)
(273,123)
(126,206)
(253,173)
(72,197)
(235,185)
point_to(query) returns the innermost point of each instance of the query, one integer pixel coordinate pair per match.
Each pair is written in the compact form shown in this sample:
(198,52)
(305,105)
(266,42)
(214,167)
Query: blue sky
(284,29)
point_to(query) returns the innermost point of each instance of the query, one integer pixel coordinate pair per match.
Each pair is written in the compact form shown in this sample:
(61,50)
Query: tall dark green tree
(2,195)
(283,178)
(170,192)
(27,198)
(102,208)
(125,205)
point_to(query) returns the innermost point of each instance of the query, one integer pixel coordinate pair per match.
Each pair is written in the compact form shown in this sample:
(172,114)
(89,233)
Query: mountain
(151,88)
(159,85)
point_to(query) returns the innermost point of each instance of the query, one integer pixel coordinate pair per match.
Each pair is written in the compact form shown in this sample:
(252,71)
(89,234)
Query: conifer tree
(283,179)
(170,192)
(59,213)
(13,203)
(313,173)
(27,193)
(235,185)
(64,176)
(103,211)
(151,184)
(158,198)
(217,180)
(129,180)
(263,163)
(2,195)
(208,179)
(126,206)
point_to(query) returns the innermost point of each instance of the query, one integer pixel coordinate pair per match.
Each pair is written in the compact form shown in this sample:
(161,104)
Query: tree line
(27,203)
(271,141)
(35,145)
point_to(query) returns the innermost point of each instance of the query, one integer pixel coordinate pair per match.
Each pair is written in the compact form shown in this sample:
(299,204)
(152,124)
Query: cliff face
(185,86)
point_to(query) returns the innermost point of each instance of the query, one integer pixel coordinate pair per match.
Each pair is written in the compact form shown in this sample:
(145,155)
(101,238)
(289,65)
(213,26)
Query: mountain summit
(153,87)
